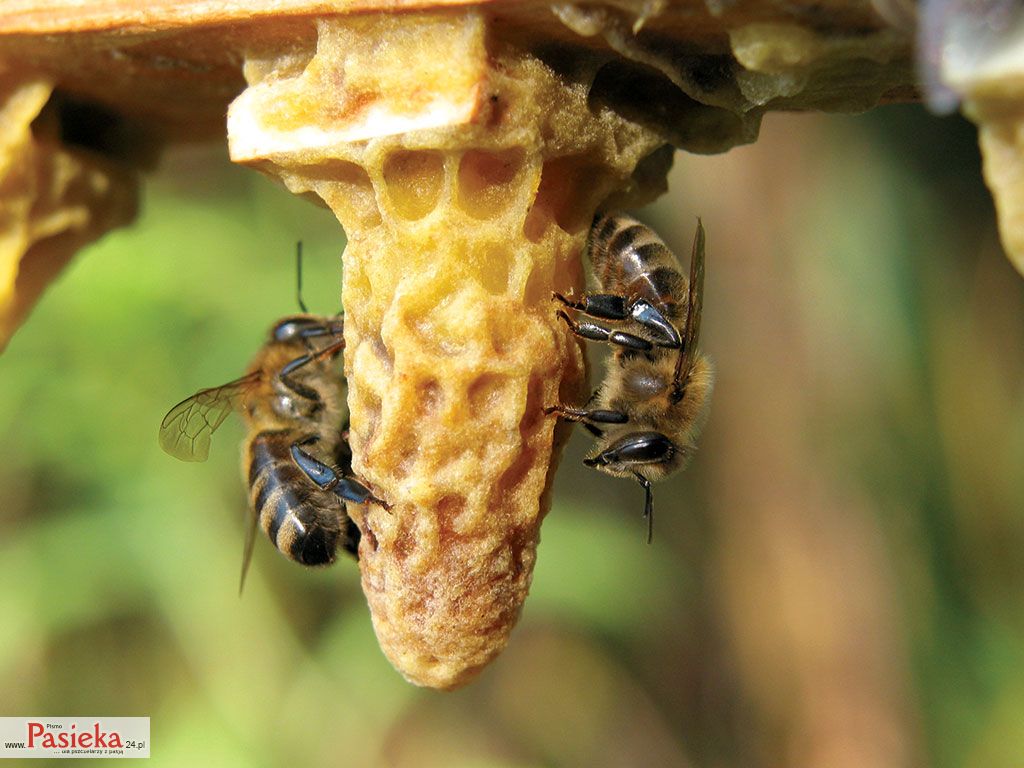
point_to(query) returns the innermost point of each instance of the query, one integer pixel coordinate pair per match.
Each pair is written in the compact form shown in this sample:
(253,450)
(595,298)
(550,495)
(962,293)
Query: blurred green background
(836,580)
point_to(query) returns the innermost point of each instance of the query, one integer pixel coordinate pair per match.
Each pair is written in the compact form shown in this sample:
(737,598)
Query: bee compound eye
(286,330)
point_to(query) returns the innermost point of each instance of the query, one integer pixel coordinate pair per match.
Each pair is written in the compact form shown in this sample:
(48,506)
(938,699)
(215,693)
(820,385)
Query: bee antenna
(298,272)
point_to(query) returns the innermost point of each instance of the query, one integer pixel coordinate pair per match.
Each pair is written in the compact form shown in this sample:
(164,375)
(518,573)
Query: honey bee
(653,401)
(293,402)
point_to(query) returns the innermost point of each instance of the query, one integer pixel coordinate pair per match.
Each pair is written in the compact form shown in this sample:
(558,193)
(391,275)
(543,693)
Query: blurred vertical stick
(807,593)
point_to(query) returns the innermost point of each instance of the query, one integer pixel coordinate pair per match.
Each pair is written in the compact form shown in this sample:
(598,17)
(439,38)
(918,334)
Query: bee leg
(351,489)
(592,415)
(652,319)
(587,417)
(321,474)
(635,449)
(607,306)
(330,329)
(596,332)
(327,479)
(648,504)
(611,306)
(284,375)
(317,331)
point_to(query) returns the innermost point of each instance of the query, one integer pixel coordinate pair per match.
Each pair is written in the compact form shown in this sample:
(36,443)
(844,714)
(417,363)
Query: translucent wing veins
(186,429)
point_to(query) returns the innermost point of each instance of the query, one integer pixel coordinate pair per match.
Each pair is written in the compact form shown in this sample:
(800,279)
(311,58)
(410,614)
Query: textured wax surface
(457,237)
(54,198)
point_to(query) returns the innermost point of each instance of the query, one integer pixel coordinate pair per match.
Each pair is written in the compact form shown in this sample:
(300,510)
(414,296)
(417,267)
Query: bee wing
(186,429)
(694,306)
(695,301)
(250,542)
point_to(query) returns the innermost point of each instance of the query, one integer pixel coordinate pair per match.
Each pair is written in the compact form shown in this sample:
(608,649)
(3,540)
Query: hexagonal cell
(342,185)
(489,182)
(414,181)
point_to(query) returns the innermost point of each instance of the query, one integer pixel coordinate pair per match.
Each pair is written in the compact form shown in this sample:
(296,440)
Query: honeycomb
(54,198)
(459,230)
(980,57)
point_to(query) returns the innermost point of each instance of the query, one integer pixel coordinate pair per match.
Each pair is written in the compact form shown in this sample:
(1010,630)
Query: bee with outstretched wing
(296,462)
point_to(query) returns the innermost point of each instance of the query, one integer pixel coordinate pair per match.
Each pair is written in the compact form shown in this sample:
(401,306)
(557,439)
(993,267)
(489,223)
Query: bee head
(299,327)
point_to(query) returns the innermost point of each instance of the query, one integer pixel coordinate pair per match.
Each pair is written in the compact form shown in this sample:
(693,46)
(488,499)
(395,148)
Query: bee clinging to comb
(648,411)
(295,456)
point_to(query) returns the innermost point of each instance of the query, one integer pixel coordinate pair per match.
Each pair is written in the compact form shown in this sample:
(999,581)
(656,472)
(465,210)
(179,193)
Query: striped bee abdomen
(303,521)
(629,258)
